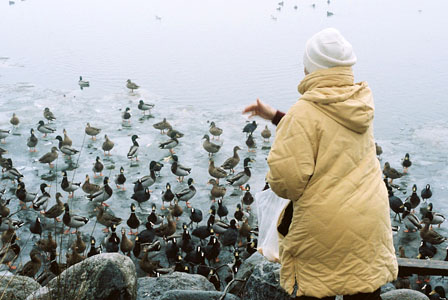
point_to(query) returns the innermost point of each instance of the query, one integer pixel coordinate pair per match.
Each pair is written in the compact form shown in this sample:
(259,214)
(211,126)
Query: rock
(246,270)
(264,283)
(104,276)
(404,295)
(387,288)
(195,295)
(17,287)
(153,288)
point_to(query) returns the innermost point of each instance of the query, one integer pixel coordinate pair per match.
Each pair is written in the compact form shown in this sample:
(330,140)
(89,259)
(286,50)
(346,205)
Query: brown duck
(167,229)
(31,268)
(49,157)
(74,257)
(106,219)
(391,172)
(217,191)
(148,265)
(233,161)
(48,245)
(90,188)
(92,131)
(67,141)
(429,235)
(126,245)
(56,210)
(216,172)
(79,244)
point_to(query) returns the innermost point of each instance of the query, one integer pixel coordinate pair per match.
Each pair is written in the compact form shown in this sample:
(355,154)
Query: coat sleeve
(291,159)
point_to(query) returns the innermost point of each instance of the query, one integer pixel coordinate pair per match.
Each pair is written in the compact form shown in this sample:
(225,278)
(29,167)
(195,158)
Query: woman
(339,239)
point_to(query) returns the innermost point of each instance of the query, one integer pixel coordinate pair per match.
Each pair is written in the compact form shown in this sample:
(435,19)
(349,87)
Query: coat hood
(334,92)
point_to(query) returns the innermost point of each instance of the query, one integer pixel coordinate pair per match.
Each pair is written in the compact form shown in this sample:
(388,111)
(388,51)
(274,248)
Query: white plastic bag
(269,208)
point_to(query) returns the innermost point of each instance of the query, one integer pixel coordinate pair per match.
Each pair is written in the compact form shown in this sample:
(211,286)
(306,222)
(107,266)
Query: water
(201,61)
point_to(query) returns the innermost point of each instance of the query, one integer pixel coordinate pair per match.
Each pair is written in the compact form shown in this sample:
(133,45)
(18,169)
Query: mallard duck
(79,244)
(69,187)
(107,219)
(90,188)
(230,236)
(11,172)
(48,114)
(107,145)
(410,220)
(250,128)
(414,199)
(173,133)
(391,172)
(14,120)
(92,131)
(120,179)
(147,265)
(145,107)
(67,150)
(45,129)
(133,222)
(250,143)
(4,134)
(141,196)
(5,162)
(426,193)
(40,204)
(167,229)
(93,249)
(98,167)
(23,195)
(187,193)
(170,144)
(242,177)
(178,169)
(215,131)
(266,134)
(244,230)
(162,126)
(222,210)
(247,199)
(56,210)
(126,244)
(83,83)
(49,157)
(434,217)
(133,151)
(4,209)
(217,191)
(67,141)
(378,149)
(126,115)
(209,146)
(74,257)
(216,172)
(31,268)
(406,163)
(73,221)
(157,167)
(10,253)
(176,211)
(429,235)
(130,85)
(32,141)
(103,194)
(233,161)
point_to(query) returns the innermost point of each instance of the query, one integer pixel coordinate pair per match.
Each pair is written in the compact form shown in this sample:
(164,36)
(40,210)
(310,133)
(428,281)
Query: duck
(247,199)
(244,230)
(249,128)
(5,162)
(162,126)
(32,141)
(173,133)
(120,179)
(112,242)
(67,141)
(79,244)
(266,134)
(35,227)
(145,107)
(90,188)
(217,191)
(147,235)
(131,85)
(172,249)
(92,131)
(74,257)
(187,244)
(176,210)
(153,217)
(434,217)
(167,195)
(209,146)
(45,129)
(103,194)
(157,167)
(141,196)
(48,114)
(107,219)
(406,163)
(31,268)
(216,172)
(67,150)
(390,172)
(98,167)
(69,187)
(250,143)
(410,220)
(93,249)
(232,162)
(4,209)
(215,131)
(83,83)
(242,177)
(213,278)
(133,151)
(126,115)
(10,253)
(195,257)
(170,144)
(40,204)
(187,193)
(378,149)
(251,246)
(133,222)
(49,157)
(429,235)
(414,199)
(212,250)
(396,205)
(426,250)
(147,265)
(9,231)
(195,216)
(147,180)
(14,120)
(230,236)
(426,193)
(167,229)
(222,210)
(107,146)
(23,195)
(126,244)
(11,172)
(438,291)
(239,214)
(4,134)
(179,170)
(56,210)
(73,221)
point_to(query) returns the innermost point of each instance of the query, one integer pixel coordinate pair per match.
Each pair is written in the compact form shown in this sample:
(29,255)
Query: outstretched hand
(260,109)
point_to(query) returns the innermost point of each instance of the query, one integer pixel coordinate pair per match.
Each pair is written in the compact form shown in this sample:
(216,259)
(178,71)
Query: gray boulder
(17,287)
(195,295)
(404,294)
(153,288)
(387,288)
(246,269)
(104,276)
(264,283)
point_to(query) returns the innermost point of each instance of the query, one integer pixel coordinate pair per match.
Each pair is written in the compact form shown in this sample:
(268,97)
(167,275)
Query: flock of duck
(182,237)
(420,221)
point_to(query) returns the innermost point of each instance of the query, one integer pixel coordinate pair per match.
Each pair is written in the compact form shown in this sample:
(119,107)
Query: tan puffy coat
(323,159)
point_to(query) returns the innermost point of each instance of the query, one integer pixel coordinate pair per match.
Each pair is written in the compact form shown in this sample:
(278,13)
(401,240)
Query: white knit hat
(328,49)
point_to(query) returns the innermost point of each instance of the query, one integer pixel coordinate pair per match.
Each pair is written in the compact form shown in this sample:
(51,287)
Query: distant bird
(14,120)
(32,141)
(295,7)
(429,235)
(145,107)
(391,173)
(73,221)
(126,115)
(378,150)
(158,18)
(434,217)
(130,85)
(313,5)
(266,133)
(187,193)
(217,191)
(98,167)
(426,193)
(120,179)
(410,220)
(173,133)
(232,162)
(167,195)
(162,126)
(67,141)
(222,210)
(215,131)
(281,3)
(396,205)
(141,196)
(250,143)
(329,13)
(48,114)
(107,146)
(414,199)
(4,134)
(179,170)
(83,83)
(250,128)
(242,177)
(247,199)
(67,150)
(49,157)
(92,131)
(210,147)
(170,144)
(40,203)
(103,194)
(133,222)
(133,151)
(406,163)
(216,172)
(41,127)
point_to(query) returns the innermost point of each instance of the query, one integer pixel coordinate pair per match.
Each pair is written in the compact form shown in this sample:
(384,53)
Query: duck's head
(247,188)
(168,186)
(87,177)
(58,195)
(32,131)
(41,123)
(128,81)
(233,223)
(43,186)
(213,209)
(46,109)
(190,181)
(121,170)
(66,207)
(386,165)
(238,207)
(132,207)
(247,160)
(64,173)
(59,138)
(153,207)
(429,207)
(212,124)
(127,109)
(414,188)
(212,181)
(206,137)
(236,148)
(406,157)
(106,180)
(92,241)
(54,149)
(152,165)
(141,102)
(134,137)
